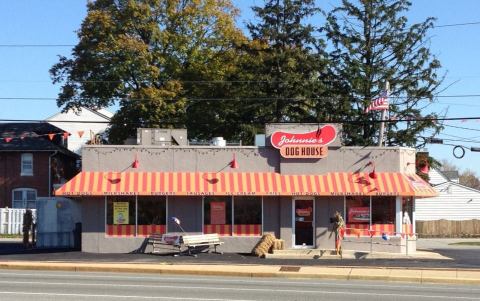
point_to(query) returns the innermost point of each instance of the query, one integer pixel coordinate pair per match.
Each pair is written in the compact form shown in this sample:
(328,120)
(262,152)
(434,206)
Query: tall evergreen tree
(373,43)
(142,54)
(284,64)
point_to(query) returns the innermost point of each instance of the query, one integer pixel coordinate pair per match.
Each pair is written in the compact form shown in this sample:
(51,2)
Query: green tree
(281,66)
(373,43)
(141,54)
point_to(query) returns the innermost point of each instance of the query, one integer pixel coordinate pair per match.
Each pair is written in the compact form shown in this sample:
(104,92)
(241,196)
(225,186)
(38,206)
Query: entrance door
(303,222)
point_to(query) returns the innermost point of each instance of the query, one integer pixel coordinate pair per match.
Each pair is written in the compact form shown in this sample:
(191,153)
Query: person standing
(27,227)
(339,229)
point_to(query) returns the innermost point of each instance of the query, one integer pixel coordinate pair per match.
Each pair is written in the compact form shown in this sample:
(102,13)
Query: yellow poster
(120,213)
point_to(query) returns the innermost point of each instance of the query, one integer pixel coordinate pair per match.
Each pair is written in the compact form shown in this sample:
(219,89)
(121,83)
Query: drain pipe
(50,173)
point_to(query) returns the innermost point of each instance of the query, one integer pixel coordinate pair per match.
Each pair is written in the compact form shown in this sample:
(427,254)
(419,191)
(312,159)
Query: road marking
(183,287)
(236,281)
(118,296)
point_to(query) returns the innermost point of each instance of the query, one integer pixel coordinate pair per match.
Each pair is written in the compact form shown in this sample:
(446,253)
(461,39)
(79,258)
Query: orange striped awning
(385,183)
(242,183)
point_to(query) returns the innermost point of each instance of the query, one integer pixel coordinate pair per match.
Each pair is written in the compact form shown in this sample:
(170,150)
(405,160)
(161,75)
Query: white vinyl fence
(11,220)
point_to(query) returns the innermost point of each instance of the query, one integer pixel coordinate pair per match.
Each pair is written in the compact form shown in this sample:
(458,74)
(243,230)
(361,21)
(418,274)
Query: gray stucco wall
(188,210)
(250,159)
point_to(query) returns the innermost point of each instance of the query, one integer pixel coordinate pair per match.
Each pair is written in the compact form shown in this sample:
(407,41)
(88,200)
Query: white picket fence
(11,220)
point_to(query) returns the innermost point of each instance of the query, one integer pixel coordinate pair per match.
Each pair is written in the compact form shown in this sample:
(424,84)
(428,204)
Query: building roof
(102,113)
(451,174)
(34,137)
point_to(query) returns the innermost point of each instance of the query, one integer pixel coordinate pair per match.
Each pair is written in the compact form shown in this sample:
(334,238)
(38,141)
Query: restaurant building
(291,186)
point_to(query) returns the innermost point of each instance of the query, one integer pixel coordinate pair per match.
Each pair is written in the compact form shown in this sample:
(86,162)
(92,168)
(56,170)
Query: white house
(82,126)
(455,202)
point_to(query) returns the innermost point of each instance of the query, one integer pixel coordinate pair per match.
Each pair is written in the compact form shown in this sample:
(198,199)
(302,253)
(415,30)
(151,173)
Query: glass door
(303,224)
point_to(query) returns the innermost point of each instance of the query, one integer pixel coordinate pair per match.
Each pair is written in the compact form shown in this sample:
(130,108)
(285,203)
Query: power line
(459,138)
(256,98)
(73,45)
(457,24)
(35,45)
(315,122)
(461,127)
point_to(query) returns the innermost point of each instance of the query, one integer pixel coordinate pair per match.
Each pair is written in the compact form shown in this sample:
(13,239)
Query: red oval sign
(320,137)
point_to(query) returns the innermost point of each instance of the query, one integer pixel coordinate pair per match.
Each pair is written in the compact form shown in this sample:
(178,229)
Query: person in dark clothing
(27,227)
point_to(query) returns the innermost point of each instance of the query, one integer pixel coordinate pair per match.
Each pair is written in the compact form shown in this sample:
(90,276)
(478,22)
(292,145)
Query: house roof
(437,187)
(451,174)
(102,113)
(34,137)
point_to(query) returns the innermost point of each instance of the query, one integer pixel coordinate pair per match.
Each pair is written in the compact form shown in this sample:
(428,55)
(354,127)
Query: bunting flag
(50,136)
(379,104)
(80,133)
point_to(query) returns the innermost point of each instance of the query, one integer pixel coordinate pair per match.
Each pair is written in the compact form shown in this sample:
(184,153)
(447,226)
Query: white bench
(192,242)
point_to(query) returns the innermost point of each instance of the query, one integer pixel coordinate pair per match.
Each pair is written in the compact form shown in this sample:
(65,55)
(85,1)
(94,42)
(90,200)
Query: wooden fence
(445,228)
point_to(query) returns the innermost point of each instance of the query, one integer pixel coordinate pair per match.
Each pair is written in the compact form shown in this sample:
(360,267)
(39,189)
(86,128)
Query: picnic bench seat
(192,242)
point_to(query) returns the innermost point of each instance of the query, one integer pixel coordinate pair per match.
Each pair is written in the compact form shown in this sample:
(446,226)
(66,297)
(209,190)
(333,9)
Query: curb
(325,273)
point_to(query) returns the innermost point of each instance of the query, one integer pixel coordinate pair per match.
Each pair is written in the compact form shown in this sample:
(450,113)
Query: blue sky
(24,71)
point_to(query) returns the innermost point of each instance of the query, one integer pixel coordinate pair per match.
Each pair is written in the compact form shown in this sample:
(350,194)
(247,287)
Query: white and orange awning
(244,183)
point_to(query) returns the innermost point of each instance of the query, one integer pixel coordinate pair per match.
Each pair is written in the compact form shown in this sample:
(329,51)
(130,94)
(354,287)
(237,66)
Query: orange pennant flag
(8,139)
(65,135)
(50,136)
(80,133)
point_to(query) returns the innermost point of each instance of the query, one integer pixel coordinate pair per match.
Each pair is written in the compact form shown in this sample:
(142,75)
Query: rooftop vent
(162,137)
(219,141)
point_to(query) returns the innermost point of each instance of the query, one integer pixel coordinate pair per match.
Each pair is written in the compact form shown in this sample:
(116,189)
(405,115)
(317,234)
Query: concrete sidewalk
(452,276)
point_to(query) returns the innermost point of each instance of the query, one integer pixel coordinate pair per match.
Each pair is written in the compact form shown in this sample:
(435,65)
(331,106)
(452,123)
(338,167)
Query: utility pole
(384,114)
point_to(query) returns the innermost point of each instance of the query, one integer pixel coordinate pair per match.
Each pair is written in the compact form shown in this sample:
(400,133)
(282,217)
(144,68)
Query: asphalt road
(43,285)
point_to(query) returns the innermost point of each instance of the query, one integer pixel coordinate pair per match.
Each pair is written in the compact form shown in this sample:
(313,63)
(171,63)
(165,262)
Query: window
(125,219)
(217,215)
(24,198)
(27,165)
(152,215)
(246,219)
(120,216)
(247,216)
(362,222)
(383,210)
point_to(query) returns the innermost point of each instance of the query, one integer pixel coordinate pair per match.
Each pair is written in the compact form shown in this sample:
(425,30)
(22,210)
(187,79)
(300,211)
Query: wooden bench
(193,242)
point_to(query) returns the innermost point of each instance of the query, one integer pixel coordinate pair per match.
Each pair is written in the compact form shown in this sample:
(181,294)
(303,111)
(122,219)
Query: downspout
(50,173)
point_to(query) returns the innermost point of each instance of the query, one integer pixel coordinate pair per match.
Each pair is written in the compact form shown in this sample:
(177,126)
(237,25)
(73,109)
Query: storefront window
(407,215)
(362,222)
(217,215)
(152,212)
(247,216)
(120,216)
(357,211)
